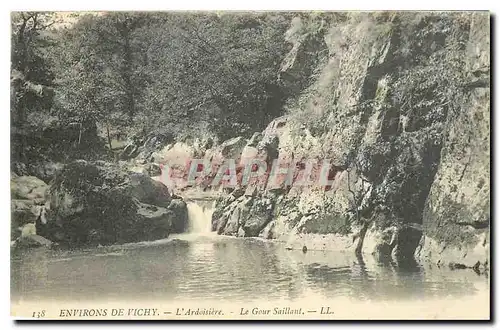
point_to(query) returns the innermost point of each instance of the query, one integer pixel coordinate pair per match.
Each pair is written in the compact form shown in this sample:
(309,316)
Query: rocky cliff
(398,103)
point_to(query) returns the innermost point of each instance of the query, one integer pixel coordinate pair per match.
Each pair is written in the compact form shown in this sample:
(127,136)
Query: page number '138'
(39,314)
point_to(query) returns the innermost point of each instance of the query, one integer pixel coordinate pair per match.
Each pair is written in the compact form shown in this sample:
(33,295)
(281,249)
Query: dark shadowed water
(197,266)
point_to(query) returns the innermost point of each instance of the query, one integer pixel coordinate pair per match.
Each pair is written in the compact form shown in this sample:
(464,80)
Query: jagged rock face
(389,104)
(307,46)
(142,147)
(246,216)
(100,203)
(457,212)
(232,148)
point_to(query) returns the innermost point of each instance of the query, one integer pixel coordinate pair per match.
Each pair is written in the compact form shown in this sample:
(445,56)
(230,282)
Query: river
(200,265)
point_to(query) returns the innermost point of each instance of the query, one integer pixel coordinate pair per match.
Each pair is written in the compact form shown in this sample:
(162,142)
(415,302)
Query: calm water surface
(197,266)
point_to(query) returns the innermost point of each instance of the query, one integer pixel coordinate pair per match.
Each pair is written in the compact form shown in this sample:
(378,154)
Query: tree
(215,68)
(96,81)
(204,74)
(31,77)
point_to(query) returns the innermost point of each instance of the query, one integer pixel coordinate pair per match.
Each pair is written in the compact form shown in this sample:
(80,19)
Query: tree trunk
(361,239)
(127,73)
(108,136)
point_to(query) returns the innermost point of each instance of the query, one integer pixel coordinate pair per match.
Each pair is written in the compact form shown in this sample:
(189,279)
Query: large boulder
(180,217)
(27,187)
(23,212)
(147,190)
(31,241)
(101,203)
(46,171)
(27,199)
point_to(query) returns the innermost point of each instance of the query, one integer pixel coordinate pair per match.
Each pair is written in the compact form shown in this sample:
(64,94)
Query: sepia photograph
(250,165)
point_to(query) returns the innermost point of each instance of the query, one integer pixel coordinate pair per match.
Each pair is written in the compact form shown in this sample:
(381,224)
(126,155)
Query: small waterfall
(200,216)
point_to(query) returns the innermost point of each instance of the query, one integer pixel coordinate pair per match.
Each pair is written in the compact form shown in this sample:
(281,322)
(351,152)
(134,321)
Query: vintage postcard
(222,165)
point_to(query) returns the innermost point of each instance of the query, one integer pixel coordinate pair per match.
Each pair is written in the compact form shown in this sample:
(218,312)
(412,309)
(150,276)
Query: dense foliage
(118,74)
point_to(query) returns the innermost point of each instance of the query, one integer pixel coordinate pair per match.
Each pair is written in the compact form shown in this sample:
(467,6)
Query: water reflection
(207,266)
(389,281)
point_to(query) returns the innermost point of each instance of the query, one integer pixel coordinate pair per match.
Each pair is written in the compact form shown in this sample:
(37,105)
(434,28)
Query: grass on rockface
(327,224)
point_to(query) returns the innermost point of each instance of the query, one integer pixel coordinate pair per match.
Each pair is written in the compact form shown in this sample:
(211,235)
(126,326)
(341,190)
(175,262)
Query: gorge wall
(398,103)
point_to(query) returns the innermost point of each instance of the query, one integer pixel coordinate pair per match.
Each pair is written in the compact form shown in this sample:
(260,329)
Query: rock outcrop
(143,147)
(27,202)
(32,241)
(247,216)
(27,188)
(398,104)
(92,203)
(457,211)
